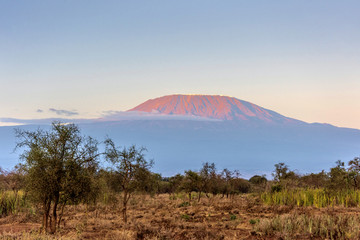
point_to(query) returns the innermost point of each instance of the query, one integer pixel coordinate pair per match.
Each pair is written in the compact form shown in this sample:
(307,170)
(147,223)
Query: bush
(276,188)
(11,202)
(184,204)
(185,217)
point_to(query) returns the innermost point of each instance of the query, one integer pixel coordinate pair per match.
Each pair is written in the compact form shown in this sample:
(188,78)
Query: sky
(83,58)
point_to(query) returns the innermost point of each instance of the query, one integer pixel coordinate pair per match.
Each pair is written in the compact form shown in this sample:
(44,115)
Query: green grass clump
(253,221)
(184,204)
(312,197)
(232,217)
(185,217)
(11,202)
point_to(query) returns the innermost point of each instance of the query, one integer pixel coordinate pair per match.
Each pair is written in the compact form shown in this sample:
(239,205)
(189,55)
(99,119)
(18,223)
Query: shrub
(185,217)
(184,204)
(253,221)
(11,202)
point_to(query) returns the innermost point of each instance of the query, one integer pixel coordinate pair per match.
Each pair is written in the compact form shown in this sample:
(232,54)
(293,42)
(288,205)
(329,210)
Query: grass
(312,197)
(323,226)
(156,217)
(160,217)
(11,202)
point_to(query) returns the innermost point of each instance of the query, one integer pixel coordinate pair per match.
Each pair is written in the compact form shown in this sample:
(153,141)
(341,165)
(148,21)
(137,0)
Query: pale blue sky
(299,58)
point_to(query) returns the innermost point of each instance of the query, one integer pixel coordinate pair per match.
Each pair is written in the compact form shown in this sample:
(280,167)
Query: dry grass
(291,226)
(173,217)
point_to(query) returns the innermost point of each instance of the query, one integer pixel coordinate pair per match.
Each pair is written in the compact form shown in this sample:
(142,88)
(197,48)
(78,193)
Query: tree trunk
(189,196)
(61,214)
(125,200)
(53,219)
(199,196)
(45,221)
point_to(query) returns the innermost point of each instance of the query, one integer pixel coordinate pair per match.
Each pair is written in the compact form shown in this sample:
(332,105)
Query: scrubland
(60,191)
(172,216)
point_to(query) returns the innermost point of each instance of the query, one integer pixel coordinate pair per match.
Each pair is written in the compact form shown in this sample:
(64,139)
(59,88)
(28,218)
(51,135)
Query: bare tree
(130,168)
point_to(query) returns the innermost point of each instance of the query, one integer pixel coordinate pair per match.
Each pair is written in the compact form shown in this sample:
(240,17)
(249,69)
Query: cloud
(107,116)
(155,115)
(42,121)
(62,112)
(39,111)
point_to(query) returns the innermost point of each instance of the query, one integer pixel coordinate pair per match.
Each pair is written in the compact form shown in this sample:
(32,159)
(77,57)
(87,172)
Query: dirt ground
(158,217)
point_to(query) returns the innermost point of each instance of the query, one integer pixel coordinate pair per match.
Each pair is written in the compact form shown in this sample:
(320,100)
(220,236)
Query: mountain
(213,107)
(183,131)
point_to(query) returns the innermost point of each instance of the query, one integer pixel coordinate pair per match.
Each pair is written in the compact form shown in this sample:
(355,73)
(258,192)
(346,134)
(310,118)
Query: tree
(258,180)
(191,182)
(281,171)
(12,180)
(59,166)
(130,169)
(176,183)
(338,177)
(315,180)
(354,171)
(258,183)
(207,178)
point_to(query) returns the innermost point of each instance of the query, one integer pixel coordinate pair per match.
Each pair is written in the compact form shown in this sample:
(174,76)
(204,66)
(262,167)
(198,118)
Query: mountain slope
(211,106)
(240,137)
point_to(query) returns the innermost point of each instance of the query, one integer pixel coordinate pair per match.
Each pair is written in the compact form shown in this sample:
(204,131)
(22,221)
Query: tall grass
(307,226)
(312,197)
(11,202)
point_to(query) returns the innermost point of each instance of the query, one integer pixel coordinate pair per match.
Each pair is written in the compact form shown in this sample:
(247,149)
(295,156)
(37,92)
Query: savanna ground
(167,216)
(59,191)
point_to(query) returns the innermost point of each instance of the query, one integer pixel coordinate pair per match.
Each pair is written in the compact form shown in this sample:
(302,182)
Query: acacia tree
(208,177)
(191,182)
(354,171)
(11,180)
(338,177)
(281,171)
(130,168)
(59,166)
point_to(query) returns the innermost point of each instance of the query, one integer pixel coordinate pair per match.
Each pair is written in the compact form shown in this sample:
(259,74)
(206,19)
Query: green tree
(315,180)
(191,182)
(258,180)
(258,183)
(281,171)
(354,171)
(175,183)
(130,169)
(59,166)
(207,178)
(338,177)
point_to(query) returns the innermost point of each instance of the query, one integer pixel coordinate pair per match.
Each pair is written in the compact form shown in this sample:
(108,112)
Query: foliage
(11,202)
(59,165)
(258,180)
(130,170)
(232,217)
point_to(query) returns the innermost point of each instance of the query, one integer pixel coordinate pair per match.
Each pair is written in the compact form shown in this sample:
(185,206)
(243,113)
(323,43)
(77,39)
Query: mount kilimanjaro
(213,107)
(183,131)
